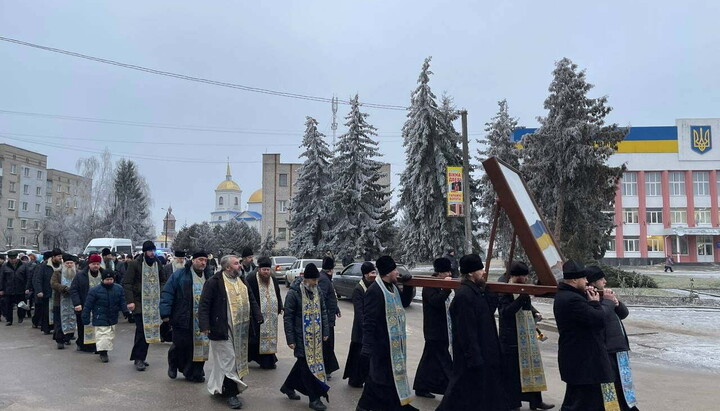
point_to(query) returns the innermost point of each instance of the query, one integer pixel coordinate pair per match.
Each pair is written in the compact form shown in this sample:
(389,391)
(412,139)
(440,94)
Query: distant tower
(334,121)
(227,200)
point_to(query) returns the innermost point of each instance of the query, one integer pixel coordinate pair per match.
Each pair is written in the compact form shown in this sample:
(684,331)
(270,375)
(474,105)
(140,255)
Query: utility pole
(466,183)
(334,118)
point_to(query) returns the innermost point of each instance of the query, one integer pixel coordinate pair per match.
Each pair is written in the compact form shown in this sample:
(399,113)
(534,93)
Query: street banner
(455,192)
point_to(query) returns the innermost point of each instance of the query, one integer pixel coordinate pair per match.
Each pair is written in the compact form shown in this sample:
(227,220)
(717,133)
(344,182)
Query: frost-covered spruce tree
(129,214)
(267,245)
(359,201)
(431,144)
(564,162)
(497,143)
(309,213)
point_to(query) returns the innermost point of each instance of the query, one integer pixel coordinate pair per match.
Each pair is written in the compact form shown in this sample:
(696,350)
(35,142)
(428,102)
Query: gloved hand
(405,277)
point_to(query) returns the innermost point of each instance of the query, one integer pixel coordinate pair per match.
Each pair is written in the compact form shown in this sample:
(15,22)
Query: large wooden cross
(529,227)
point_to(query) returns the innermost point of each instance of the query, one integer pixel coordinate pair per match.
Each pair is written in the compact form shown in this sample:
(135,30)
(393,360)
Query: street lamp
(166,227)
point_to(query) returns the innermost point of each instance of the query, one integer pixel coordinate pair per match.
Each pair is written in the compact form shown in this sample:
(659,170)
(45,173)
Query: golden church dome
(256,197)
(228,184)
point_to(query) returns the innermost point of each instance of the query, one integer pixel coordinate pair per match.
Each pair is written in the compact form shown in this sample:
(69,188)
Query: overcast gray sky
(657,61)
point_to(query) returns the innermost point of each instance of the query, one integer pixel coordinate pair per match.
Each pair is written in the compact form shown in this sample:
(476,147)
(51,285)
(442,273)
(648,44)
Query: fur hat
(594,273)
(197,254)
(68,257)
(367,267)
(385,265)
(518,268)
(148,246)
(247,252)
(180,253)
(471,263)
(56,252)
(573,270)
(442,265)
(328,263)
(264,262)
(105,251)
(106,274)
(311,271)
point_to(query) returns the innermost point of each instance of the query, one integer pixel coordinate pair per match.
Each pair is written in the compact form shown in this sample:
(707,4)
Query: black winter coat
(435,327)
(30,267)
(330,296)
(376,343)
(582,356)
(13,278)
(615,337)
(132,282)
(41,281)
(508,307)
(253,283)
(358,300)
(80,287)
(293,321)
(213,309)
(176,299)
(103,304)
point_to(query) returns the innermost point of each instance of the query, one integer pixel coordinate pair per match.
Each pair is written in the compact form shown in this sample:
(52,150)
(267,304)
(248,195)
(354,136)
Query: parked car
(116,245)
(298,268)
(280,264)
(346,280)
(25,251)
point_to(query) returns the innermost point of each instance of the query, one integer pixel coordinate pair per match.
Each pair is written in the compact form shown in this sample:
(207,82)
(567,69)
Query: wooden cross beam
(496,287)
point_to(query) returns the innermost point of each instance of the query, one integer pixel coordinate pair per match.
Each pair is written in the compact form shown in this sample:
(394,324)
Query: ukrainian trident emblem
(701,139)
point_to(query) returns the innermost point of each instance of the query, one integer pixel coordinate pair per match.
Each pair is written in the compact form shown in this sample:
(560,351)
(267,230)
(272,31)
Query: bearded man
(266,290)
(64,317)
(52,262)
(79,288)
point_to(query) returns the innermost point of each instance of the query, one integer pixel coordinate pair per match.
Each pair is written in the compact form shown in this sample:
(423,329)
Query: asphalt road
(37,376)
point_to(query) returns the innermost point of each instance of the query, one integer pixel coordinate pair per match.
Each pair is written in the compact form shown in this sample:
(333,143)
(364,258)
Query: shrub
(627,279)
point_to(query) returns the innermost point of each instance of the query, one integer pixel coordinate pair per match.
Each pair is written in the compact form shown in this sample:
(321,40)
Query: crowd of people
(227,314)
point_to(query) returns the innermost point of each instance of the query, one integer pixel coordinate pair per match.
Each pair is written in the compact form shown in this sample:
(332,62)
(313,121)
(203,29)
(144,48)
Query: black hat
(180,253)
(328,263)
(106,274)
(573,269)
(442,265)
(68,257)
(385,265)
(471,263)
(56,252)
(519,268)
(12,254)
(105,251)
(247,252)
(594,273)
(367,267)
(197,254)
(47,254)
(311,271)
(264,262)
(148,246)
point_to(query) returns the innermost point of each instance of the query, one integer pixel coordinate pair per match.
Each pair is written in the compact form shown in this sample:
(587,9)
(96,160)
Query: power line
(198,79)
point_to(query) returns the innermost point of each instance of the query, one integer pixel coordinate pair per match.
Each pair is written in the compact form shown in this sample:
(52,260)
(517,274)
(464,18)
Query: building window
(23,224)
(13,169)
(704,245)
(24,206)
(26,172)
(219,218)
(37,208)
(631,244)
(629,184)
(39,175)
(11,205)
(59,188)
(76,203)
(653,185)
(630,215)
(282,234)
(37,225)
(655,243)
(674,240)
(677,183)
(654,216)
(68,189)
(611,244)
(236,201)
(701,183)
(12,187)
(23,241)
(10,223)
(26,189)
(47,212)
(678,216)
(702,216)
(220,201)
(38,191)
(283,180)
(282,206)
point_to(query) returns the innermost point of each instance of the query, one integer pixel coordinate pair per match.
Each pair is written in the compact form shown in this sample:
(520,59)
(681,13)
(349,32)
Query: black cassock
(476,382)
(433,372)
(266,361)
(357,366)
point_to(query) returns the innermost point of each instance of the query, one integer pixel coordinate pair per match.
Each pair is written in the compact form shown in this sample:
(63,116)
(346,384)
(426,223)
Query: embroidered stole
(239,307)
(269,308)
(68,319)
(449,300)
(623,359)
(51,317)
(201,342)
(312,334)
(395,315)
(532,373)
(151,301)
(89,330)
(610,400)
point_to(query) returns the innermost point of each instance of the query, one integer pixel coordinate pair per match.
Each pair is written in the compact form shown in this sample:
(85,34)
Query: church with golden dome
(228,200)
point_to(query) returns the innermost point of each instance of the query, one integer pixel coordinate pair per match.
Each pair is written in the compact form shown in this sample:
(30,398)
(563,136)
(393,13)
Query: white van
(116,245)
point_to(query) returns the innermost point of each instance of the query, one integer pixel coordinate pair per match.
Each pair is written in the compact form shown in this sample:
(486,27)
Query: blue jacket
(104,303)
(176,299)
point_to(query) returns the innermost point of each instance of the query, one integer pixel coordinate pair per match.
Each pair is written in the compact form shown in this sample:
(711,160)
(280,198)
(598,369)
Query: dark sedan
(345,280)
